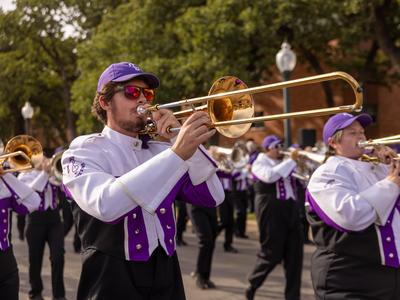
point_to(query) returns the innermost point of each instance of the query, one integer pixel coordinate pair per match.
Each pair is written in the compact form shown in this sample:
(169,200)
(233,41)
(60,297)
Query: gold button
(391,255)
(169,227)
(138,247)
(3,210)
(137,231)
(388,239)
(170,241)
(5,220)
(162,211)
(134,216)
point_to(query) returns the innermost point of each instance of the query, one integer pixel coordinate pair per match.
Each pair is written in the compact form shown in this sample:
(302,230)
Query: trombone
(390,140)
(22,152)
(370,144)
(230,104)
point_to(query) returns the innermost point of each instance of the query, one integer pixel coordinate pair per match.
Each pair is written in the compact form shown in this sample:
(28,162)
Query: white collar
(360,165)
(125,140)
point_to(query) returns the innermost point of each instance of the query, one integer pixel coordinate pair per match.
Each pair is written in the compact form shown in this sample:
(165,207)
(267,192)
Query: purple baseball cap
(124,71)
(341,121)
(271,141)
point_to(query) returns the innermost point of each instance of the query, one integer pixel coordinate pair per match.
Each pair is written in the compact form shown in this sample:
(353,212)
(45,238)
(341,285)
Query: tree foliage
(188,44)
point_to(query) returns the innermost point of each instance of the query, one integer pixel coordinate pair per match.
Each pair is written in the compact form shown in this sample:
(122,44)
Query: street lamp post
(286,61)
(27,114)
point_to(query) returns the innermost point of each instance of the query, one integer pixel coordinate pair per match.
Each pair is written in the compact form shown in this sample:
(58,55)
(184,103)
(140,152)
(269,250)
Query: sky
(7,4)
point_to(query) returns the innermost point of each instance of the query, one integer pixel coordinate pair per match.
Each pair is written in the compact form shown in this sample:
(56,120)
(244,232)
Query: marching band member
(45,226)
(14,196)
(226,209)
(125,187)
(240,172)
(253,151)
(354,215)
(277,219)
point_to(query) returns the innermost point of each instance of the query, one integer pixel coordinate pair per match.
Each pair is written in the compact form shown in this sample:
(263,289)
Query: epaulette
(80,140)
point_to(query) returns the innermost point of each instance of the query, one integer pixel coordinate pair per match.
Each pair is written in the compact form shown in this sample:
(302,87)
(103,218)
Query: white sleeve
(27,196)
(268,173)
(108,198)
(201,166)
(335,191)
(35,179)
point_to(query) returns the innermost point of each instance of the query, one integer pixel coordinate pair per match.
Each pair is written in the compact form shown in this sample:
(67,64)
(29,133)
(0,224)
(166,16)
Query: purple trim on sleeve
(222,174)
(253,157)
(138,244)
(19,208)
(208,157)
(197,195)
(66,191)
(324,217)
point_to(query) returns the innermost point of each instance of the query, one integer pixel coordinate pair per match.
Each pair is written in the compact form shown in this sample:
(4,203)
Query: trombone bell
(22,152)
(230,108)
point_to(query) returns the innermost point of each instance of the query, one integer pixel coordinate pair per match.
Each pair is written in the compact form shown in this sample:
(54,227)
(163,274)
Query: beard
(133,125)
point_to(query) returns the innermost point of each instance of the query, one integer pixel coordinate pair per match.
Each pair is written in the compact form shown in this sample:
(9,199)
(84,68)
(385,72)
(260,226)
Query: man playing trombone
(125,185)
(14,196)
(353,209)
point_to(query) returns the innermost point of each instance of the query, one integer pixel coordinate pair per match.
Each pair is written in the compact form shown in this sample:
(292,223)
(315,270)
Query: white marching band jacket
(14,196)
(359,210)
(117,179)
(271,171)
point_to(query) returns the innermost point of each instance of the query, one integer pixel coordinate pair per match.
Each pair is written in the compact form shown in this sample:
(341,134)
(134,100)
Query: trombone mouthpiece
(142,111)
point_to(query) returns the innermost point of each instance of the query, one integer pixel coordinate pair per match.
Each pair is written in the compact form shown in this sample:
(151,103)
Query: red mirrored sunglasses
(133,92)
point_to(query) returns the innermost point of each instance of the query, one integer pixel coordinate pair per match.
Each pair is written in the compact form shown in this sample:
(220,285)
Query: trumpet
(230,104)
(22,152)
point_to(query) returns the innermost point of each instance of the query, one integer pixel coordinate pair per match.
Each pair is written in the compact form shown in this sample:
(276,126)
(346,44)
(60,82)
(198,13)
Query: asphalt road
(228,273)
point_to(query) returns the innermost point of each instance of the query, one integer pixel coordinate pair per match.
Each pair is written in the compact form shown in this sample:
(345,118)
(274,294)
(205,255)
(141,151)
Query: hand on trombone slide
(385,154)
(394,174)
(193,132)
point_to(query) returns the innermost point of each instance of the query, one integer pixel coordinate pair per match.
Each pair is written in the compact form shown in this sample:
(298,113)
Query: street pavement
(229,271)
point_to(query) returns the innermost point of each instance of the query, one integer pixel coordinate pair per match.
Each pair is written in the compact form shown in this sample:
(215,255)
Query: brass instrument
(22,152)
(230,104)
(239,156)
(307,164)
(56,168)
(374,143)
(222,157)
(390,140)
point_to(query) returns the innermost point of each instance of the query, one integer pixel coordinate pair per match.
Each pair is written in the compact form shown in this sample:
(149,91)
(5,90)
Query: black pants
(241,212)
(68,221)
(21,221)
(281,239)
(204,220)
(340,277)
(181,220)
(227,222)
(9,279)
(42,229)
(105,277)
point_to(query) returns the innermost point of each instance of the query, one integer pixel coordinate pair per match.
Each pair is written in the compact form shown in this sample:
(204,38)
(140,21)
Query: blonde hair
(337,137)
